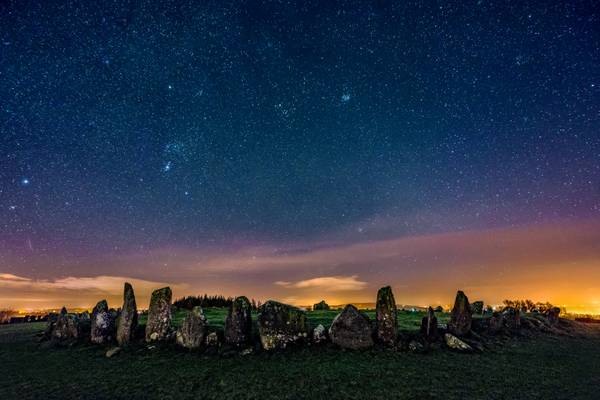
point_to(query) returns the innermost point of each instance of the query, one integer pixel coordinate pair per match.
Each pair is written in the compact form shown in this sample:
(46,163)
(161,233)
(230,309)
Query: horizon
(300,153)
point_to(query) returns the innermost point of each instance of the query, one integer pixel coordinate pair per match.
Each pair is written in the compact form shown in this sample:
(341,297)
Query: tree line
(189,302)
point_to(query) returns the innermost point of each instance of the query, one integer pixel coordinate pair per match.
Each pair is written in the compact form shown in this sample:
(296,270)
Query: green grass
(543,368)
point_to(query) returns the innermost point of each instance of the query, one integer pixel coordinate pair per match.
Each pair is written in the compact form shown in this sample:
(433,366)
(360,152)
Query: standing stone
(158,326)
(238,324)
(193,330)
(553,315)
(429,328)
(351,329)
(66,326)
(50,324)
(477,307)
(280,324)
(386,317)
(103,324)
(496,323)
(512,318)
(460,319)
(128,319)
(321,306)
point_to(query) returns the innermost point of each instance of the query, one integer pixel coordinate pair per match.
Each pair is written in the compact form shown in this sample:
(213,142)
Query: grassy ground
(543,368)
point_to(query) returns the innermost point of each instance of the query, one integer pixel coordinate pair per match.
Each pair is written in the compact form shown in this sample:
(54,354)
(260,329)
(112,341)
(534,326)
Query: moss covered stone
(238,323)
(461,316)
(386,317)
(128,319)
(193,330)
(158,327)
(102,324)
(280,325)
(351,329)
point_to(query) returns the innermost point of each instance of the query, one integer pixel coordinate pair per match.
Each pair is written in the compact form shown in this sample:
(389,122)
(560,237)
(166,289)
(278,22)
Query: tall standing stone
(103,324)
(193,330)
(238,324)
(128,319)
(460,319)
(351,329)
(281,324)
(158,327)
(429,328)
(386,317)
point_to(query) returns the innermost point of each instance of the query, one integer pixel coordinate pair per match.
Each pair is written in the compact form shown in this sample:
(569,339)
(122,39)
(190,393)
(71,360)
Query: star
(345,97)
(25,181)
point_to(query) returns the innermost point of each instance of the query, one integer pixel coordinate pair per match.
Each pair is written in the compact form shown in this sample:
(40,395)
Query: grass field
(543,368)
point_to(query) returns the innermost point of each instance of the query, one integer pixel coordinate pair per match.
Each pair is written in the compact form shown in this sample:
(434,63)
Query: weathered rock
(238,324)
(386,317)
(512,318)
(321,306)
(113,352)
(351,329)
(158,327)
(477,307)
(495,323)
(429,327)
(553,315)
(280,325)
(128,319)
(461,317)
(212,339)
(455,343)
(51,323)
(319,334)
(103,324)
(415,346)
(193,330)
(66,327)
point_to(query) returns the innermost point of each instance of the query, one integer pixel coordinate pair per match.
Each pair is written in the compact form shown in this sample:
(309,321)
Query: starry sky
(300,150)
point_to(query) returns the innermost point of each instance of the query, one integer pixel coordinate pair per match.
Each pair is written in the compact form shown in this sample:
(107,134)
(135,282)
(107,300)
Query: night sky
(300,150)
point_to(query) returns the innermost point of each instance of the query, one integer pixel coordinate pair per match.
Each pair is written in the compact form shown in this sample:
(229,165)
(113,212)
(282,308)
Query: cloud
(331,283)
(73,291)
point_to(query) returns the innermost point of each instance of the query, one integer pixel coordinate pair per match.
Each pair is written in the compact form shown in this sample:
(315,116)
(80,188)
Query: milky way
(216,127)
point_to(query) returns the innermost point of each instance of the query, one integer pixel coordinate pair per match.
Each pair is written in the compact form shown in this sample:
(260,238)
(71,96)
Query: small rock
(455,343)
(319,335)
(415,347)
(212,339)
(247,351)
(113,352)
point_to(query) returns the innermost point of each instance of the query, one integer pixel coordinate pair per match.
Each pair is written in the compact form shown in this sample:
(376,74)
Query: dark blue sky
(137,125)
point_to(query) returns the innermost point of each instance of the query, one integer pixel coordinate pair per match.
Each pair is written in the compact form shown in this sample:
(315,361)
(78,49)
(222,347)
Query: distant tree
(190,302)
(5,315)
(322,305)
